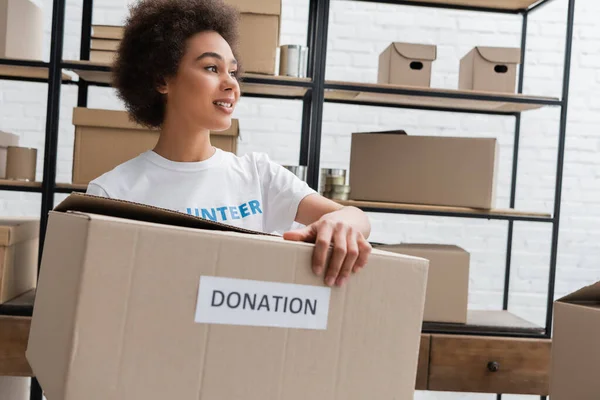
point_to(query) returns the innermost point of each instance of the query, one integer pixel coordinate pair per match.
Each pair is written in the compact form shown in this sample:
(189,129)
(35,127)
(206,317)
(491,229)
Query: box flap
(86,203)
(269,7)
(16,230)
(500,55)
(83,116)
(399,132)
(423,246)
(411,51)
(588,293)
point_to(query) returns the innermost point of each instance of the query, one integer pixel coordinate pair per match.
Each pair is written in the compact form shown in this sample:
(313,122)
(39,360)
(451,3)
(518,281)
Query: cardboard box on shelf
(200,310)
(105,44)
(106,138)
(102,56)
(6,140)
(18,256)
(489,69)
(21,30)
(110,32)
(399,168)
(406,64)
(447,280)
(259,40)
(576,346)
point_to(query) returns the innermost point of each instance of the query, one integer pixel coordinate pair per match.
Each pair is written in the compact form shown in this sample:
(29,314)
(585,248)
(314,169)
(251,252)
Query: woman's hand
(350,248)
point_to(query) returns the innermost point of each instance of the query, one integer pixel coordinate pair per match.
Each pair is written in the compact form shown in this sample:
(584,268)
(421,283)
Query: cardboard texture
(447,280)
(21,30)
(575,349)
(18,256)
(259,40)
(102,56)
(490,69)
(105,44)
(447,171)
(406,64)
(21,163)
(6,140)
(269,7)
(142,341)
(105,138)
(112,32)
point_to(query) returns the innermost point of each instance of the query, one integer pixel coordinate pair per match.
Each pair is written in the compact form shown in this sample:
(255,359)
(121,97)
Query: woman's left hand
(350,248)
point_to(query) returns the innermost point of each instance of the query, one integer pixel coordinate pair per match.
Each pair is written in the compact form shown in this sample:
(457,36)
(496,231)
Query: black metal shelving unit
(315,95)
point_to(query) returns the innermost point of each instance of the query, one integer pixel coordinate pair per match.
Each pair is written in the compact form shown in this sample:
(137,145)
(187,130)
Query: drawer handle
(493,366)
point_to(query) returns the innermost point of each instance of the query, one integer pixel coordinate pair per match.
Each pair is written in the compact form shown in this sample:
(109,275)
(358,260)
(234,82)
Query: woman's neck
(181,142)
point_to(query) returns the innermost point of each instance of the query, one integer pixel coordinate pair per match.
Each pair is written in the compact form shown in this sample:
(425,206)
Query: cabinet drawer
(489,365)
(14,334)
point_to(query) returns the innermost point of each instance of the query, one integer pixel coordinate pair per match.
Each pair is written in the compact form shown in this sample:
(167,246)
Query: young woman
(176,70)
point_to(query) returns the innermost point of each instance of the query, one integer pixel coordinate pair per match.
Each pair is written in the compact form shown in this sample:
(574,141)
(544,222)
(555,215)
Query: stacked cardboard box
(136,302)
(446,171)
(259,34)
(105,138)
(105,43)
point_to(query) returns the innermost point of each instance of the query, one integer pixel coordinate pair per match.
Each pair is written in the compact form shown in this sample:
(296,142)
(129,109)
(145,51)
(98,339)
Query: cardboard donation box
(259,34)
(105,138)
(576,346)
(490,69)
(21,30)
(447,280)
(142,303)
(406,64)
(399,168)
(18,256)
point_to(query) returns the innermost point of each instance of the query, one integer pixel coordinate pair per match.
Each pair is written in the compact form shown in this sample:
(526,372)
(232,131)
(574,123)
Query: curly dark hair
(153,44)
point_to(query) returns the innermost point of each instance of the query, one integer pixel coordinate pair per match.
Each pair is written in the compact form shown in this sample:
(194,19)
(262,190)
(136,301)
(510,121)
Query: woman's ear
(162,87)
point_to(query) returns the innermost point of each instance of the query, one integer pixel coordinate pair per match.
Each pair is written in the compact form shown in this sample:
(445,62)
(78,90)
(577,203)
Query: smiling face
(205,90)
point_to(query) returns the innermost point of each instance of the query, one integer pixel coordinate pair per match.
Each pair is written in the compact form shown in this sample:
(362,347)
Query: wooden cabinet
(489,365)
(14,333)
(446,362)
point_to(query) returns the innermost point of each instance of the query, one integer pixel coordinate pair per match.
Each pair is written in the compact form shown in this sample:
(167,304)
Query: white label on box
(258,303)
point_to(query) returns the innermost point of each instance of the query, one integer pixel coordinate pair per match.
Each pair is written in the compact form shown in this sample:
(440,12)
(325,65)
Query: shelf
(433,98)
(254,85)
(444,211)
(507,6)
(488,322)
(27,73)
(19,306)
(274,86)
(20,186)
(69,187)
(36,187)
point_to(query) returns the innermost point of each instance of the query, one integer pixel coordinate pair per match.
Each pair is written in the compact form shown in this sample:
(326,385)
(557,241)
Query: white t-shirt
(250,192)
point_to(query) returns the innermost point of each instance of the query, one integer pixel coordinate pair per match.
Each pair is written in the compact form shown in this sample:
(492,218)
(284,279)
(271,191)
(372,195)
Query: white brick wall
(358,32)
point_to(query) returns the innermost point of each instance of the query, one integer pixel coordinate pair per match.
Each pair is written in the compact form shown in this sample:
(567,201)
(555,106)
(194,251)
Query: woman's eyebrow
(213,55)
